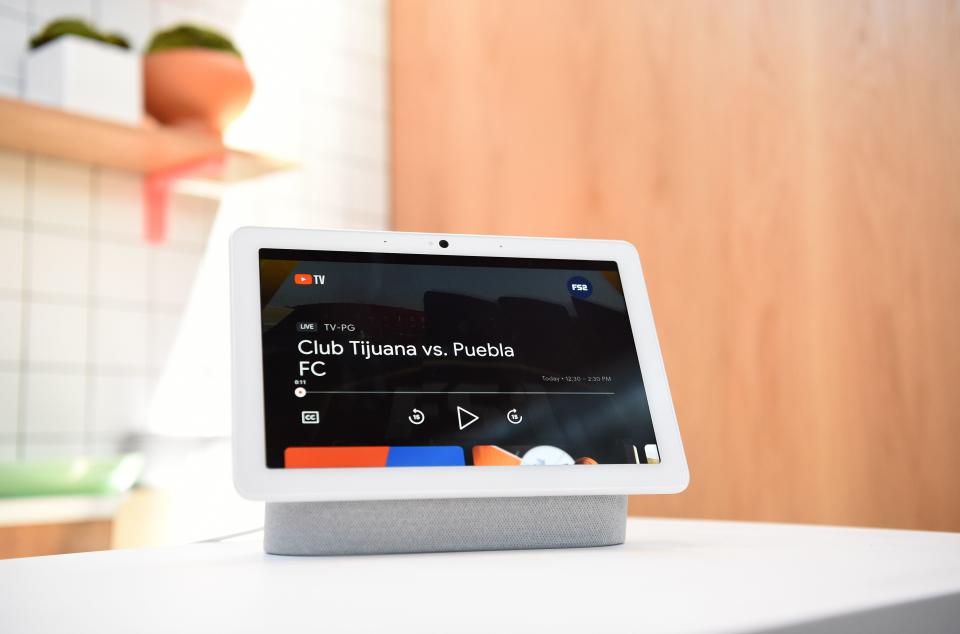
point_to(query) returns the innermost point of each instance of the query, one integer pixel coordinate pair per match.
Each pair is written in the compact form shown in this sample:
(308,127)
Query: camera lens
(444,244)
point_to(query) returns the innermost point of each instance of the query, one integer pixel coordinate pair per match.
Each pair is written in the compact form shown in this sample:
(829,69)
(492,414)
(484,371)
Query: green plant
(191,36)
(74,26)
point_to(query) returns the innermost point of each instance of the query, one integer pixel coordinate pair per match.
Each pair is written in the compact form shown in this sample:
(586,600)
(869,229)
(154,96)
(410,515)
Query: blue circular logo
(580,287)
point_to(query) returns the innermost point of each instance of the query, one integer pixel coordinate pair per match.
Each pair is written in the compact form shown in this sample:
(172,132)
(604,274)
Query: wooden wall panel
(790,173)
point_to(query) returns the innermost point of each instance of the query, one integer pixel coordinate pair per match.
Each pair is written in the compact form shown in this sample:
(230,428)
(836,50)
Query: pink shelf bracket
(157,188)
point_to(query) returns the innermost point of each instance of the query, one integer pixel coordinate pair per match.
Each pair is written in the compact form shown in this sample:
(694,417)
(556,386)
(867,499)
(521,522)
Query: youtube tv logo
(304,279)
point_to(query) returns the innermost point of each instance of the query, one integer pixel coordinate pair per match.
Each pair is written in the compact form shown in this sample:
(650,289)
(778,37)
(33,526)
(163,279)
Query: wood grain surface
(145,149)
(34,540)
(790,173)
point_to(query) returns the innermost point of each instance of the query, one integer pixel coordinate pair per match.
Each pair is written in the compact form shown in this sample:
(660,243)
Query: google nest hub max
(403,392)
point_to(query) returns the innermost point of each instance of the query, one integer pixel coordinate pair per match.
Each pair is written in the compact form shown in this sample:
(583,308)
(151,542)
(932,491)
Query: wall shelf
(162,154)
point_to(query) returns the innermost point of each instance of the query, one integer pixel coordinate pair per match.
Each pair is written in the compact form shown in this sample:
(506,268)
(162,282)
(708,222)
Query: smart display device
(467,379)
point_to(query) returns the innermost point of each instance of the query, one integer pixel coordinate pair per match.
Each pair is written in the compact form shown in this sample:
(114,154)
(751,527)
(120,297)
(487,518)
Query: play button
(465,417)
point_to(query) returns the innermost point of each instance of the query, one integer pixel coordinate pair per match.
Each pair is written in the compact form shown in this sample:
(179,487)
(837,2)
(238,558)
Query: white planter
(87,77)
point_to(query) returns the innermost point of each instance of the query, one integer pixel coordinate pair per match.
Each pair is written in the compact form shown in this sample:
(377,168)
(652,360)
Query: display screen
(394,360)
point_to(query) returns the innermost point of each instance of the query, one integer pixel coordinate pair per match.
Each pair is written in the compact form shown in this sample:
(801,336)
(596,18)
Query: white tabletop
(671,575)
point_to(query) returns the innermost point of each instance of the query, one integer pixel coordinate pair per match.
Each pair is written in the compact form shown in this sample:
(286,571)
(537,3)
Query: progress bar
(450,392)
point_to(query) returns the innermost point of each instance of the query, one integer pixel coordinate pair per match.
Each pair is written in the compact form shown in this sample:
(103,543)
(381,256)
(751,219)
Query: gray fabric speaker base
(449,524)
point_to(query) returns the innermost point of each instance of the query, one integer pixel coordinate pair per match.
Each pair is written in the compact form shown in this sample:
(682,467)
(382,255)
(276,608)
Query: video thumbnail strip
(443,456)
(345,457)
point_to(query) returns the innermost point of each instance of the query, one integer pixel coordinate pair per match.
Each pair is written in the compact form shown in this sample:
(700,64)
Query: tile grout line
(59,437)
(21,67)
(25,253)
(54,367)
(151,383)
(91,305)
(112,303)
(67,231)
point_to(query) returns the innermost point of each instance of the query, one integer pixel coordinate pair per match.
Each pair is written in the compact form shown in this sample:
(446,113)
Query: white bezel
(254,480)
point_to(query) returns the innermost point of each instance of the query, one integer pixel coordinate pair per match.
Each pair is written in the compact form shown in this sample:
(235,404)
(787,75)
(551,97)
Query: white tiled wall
(81,299)
(88,311)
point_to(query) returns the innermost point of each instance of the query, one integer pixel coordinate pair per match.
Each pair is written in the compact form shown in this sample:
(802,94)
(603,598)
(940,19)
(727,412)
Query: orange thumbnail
(493,456)
(319,457)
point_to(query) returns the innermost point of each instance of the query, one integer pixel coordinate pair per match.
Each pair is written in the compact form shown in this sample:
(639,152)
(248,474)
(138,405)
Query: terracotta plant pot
(195,88)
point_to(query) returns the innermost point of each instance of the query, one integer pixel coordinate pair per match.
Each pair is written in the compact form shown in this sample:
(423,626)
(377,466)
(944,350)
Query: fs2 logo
(580,287)
(302,279)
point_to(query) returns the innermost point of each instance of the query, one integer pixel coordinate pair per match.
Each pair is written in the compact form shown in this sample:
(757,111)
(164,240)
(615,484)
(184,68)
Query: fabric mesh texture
(450,524)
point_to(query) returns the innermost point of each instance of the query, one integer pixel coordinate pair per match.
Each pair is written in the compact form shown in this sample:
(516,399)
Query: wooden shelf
(163,155)
(148,150)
